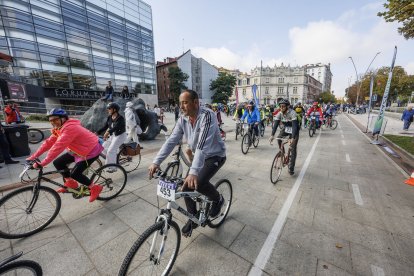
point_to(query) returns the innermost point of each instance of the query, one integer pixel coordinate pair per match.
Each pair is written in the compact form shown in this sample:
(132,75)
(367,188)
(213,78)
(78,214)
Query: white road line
(348,159)
(377,271)
(343,142)
(271,239)
(406,175)
(357,194)
(342,136)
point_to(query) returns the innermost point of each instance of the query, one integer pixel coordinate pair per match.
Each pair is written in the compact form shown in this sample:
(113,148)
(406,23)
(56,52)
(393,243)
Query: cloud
(409,67)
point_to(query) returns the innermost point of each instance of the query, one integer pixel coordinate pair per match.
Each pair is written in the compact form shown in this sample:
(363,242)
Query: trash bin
(18,140)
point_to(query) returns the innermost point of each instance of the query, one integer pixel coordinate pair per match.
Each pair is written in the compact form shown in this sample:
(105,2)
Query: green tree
(327,97)
(223,87)
(401,11)
(177,79)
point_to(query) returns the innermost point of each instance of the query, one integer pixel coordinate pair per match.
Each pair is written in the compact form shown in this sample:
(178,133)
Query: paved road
(350,214)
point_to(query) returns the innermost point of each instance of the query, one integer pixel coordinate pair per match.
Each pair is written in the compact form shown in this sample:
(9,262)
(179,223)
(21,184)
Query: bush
(36,117)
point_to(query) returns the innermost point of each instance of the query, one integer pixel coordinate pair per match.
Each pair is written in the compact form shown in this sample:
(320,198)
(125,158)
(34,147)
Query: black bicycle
(250,138)
(10,266)
(239,129)
(35,135)
(28,210)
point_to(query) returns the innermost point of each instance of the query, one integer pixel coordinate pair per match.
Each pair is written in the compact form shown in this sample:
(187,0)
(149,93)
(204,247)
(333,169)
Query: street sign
(374,97)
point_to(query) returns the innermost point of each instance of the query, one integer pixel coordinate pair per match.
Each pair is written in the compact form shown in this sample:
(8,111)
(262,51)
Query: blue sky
(239,34)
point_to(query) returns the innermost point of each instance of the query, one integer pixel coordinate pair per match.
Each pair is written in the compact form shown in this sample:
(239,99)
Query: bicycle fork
(164,233)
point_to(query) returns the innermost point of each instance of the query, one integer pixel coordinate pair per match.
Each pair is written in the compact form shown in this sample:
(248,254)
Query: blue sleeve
(257,115)
(244,116)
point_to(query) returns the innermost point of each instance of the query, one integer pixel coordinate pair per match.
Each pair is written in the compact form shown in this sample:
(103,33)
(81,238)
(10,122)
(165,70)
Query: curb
(398,147)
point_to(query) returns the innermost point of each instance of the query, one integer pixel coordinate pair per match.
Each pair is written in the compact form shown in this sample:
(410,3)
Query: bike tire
(245,145)
(146,240)
(256,140)
(184,158)
(6,220)
(34,268)
(237,131)
(224,187)
(276,169)
(105,177)
(35,135)
(334,124)
(311,132)
(128,162)
(172,169)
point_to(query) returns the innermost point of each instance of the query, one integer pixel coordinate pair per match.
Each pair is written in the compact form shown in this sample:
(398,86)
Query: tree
(177,79)
(223,87)
(401,11)
(327,97)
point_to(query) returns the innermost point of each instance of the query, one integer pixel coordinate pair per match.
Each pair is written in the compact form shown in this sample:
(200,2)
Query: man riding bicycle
(83,148)
(200,128)
(290,129)
(253,117)
(317,111)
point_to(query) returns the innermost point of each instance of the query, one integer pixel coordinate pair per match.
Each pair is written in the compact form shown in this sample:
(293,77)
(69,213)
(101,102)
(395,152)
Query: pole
(260,89)
(356,74)
(371,88)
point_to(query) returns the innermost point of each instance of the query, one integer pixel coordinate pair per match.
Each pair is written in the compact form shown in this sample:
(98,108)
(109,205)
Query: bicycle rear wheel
(139,261)
(113,178)
(276,169)
(128,162)
(334,124)
(23,267)
(35,135)
(17,222)
(245,145)
(225,189)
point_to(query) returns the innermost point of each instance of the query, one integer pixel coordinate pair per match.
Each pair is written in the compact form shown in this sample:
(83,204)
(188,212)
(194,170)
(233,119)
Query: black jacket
(116,126)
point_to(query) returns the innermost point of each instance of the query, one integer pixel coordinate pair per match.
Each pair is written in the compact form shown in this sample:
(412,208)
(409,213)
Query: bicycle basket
(130,149)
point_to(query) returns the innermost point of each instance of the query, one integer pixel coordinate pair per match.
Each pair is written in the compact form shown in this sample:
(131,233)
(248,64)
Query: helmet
(284,101)
(250,103)
(57,112)
(113,106)
(315,103)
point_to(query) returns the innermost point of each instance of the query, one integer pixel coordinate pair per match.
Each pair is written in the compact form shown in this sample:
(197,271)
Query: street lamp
(356,73)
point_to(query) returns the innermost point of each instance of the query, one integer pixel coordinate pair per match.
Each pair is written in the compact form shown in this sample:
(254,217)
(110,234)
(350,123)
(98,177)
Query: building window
(295,90)
(281,80)
(244,91)
(244,82)
(267,90)
(295,80)
(280,90)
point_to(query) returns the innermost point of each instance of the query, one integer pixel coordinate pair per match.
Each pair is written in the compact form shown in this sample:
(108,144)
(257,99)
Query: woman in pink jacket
(82,146)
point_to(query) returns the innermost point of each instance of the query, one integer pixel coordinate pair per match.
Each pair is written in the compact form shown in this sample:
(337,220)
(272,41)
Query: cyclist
(253,117)
(317,111)
(83,148)
(200,128)
(290,129)
(239,112)
(115,134)
(300,111)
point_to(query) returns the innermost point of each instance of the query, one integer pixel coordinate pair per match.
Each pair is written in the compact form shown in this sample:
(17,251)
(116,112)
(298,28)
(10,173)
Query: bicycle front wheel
(334,124)
(311,131)
(35,135)
(23,267)
(225,189)
(141,261)
(173,169)
(128,162)
(17,221)
(276,169)
(113,178)
(255,141)
(245,145)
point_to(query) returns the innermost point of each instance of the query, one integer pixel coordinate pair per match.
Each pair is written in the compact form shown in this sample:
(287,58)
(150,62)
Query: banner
(237,97)
(371,88)
(254,92)
(380,119)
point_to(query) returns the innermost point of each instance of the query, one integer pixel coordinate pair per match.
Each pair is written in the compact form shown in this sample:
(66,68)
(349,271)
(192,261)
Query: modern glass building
(73,47)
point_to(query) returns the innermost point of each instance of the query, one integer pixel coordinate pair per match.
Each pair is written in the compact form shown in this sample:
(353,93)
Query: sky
(239,34)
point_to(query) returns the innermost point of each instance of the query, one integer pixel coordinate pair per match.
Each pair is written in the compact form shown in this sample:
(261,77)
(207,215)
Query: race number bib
(166,190)
(288,129)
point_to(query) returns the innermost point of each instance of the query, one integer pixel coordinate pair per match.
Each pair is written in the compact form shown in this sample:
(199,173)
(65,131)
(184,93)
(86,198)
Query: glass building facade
(80,44)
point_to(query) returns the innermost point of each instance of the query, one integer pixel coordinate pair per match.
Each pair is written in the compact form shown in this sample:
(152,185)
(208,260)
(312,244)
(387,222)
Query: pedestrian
(4,147)
(407,117)
(177,112)
(157,111)
(12,113)
(125,92)
(132,123)
(109,91)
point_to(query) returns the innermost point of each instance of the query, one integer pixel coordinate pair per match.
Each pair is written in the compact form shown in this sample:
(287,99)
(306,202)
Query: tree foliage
(177,79)
(401,11)
(327,97)
(223,87)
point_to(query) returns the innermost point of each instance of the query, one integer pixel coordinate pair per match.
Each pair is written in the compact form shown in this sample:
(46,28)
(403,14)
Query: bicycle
(21,267)
(239,129)
(250,138)
(128,156)
(331,123)
(37,206)
(157,246)
(35,135)
(173,168)
(281,160)
(311,125)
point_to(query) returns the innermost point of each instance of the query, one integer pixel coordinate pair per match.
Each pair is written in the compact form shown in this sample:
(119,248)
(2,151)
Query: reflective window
(27,63)
(17,24)
(20,15)
(121,71)
(102,61)
(81,71)
(47,23)
(75,16)
(79,9)
(97,17)
(100,46)
(78,48)
(120,64)
(121,77)
(18,43)
(46,14)
(49,41)
(79,56)
(103,74)
(76,32)
(100,53)
(54,67)
(16,5)
(45,5)
(105,68)
(77,40)
(52,50)
(75,24)
(54,59)
(21,34)
(27,72)
(3,41)
(50,33)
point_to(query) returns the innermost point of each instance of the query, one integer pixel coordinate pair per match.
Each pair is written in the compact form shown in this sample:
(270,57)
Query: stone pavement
(352,215)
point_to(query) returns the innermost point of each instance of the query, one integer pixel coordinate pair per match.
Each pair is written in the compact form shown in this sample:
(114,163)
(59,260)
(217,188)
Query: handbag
(130,149)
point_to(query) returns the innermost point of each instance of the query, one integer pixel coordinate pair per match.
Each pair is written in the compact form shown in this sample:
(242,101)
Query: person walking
(132,123)
(407,117)
(109,91)
(4,147)
(176,112)
(125,93)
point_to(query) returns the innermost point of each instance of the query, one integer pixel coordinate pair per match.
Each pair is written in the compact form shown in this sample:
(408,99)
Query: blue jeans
(407,124)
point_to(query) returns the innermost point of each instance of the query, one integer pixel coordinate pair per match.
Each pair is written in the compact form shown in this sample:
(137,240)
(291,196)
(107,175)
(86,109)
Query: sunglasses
(53,120)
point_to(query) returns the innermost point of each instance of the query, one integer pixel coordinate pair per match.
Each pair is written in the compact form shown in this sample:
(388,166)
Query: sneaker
(291,172)
(69,183)
(94,190)
(188,228)
(216,207)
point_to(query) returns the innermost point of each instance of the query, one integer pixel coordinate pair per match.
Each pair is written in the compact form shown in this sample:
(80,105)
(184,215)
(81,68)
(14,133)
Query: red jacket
(312,109)
(11,114)
(71,136)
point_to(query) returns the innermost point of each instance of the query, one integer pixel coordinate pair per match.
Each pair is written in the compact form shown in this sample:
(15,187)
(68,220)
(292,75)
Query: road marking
(343,142)
(406,175)
(342,136)
(357,194)
(271,239)
(377,271)
(348,159)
